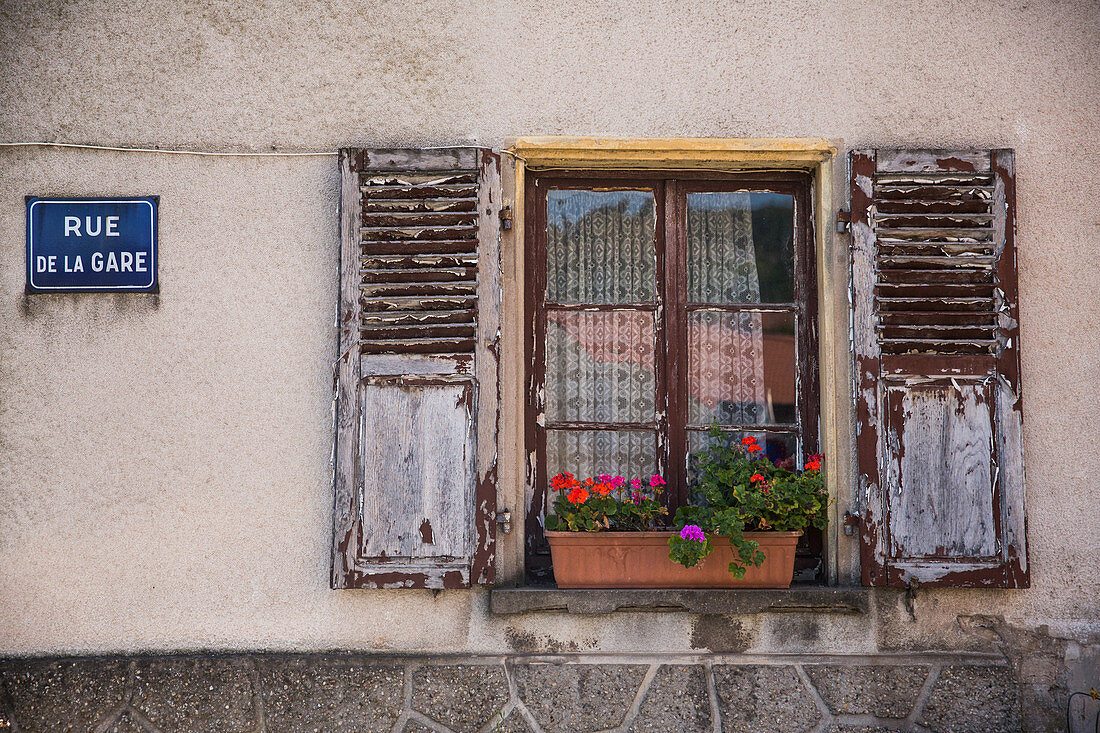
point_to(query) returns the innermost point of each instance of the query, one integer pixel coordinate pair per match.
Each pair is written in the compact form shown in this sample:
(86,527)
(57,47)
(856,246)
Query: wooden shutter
(936,344)
(417,389)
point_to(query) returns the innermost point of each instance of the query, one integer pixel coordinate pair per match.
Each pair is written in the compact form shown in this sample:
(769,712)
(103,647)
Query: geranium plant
(605,503)
(739,489)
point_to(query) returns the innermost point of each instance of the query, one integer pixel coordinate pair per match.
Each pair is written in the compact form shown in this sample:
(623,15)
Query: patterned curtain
(726,350)
(600,247)
(600,365)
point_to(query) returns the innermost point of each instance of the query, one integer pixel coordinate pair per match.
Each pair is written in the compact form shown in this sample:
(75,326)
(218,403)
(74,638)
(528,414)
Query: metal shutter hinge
(843,220)
(851,521)
(504,519)
(506,218)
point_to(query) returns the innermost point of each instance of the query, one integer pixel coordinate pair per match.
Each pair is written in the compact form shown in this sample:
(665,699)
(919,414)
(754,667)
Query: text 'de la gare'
(92,244)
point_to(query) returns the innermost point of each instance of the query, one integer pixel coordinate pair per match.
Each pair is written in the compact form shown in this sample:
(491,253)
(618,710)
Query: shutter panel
(417,387)
(936,344)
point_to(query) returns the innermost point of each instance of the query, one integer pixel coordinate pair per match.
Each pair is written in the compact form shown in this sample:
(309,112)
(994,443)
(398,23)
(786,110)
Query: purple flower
(693,532)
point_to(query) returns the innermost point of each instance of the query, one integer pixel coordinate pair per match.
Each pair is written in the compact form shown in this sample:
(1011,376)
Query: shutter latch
(504,519)
(843,220)
(506,218)
(911,598)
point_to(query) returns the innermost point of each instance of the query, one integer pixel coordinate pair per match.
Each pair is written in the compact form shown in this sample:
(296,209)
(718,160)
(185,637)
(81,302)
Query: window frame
(527,155)
(670,188)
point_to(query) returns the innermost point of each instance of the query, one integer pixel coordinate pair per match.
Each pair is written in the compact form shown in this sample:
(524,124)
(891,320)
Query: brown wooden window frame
(670,189)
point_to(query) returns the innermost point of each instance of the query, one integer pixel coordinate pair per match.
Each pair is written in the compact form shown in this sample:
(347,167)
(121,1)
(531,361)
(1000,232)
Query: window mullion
(660,335)
(675,327)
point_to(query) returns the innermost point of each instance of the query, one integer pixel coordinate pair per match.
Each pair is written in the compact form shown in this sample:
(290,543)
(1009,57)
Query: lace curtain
(600,365)
(725,350)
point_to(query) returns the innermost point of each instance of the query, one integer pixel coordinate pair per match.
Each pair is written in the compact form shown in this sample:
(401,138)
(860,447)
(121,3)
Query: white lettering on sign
(72,226)
(95,262)
(114,262)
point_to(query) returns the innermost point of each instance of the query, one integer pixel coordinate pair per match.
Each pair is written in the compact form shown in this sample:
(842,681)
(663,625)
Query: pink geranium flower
(693,532)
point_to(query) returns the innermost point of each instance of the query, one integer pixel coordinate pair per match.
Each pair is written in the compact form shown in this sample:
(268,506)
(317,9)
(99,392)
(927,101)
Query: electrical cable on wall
(171,151)
(166,151)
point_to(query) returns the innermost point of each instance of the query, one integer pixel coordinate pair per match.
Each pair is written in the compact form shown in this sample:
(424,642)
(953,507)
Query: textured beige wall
(165,478)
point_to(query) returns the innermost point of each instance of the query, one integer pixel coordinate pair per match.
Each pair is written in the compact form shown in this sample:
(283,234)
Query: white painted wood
(931,161)
(345,523)
(1010,472)
(394,364)
(419,470)
(415,159)
(939,470)
(416,478)
(487,364)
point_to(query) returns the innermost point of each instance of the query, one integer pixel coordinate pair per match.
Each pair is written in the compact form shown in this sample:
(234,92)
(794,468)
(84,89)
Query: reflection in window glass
(600,246)
(740,247)
(600,366)
(741,368)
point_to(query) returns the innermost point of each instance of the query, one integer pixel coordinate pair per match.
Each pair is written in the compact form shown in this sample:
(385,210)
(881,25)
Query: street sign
(92,244)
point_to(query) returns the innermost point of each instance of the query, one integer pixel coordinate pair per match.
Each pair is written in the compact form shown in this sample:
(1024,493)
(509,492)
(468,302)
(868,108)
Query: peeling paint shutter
(417,387)
(936,344)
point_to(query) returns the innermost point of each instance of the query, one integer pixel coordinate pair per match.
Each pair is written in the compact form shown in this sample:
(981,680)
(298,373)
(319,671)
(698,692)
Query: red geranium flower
(602,489)
(578,495)
(748,441)
(561,481)
(757,477)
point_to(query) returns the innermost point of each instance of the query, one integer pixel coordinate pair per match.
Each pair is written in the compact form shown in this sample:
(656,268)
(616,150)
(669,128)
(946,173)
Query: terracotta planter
(640,560)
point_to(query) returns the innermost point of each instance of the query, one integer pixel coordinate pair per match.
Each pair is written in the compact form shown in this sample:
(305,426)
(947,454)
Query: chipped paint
(937,368)
(420,285)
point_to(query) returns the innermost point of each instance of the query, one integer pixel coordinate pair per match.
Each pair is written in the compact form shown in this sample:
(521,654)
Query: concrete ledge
(812,599)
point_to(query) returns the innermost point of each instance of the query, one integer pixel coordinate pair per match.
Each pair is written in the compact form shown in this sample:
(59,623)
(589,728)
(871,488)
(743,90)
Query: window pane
(599,246)
(585,453)
(599,366)
(778,447)
(742,368)
(740,247)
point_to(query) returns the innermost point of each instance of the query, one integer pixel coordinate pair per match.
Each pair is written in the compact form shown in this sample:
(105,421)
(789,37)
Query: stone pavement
(276,693)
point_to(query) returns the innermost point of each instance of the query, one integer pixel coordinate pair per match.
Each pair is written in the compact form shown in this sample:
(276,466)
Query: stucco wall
(165,479)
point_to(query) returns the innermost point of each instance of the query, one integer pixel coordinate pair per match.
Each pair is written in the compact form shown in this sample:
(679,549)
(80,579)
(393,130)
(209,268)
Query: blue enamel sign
(92,244)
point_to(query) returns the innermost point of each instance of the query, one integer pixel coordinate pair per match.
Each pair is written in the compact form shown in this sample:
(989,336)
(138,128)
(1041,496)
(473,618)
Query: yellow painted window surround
(725,154)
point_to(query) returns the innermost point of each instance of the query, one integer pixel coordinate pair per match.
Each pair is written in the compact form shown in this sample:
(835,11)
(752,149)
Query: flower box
(640,560)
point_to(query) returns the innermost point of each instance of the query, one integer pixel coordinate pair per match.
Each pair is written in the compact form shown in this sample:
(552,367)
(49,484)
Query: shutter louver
(937,368)
(417,377)
(419,261)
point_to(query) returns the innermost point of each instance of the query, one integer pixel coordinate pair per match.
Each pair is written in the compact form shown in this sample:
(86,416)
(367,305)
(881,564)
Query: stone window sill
(799,599)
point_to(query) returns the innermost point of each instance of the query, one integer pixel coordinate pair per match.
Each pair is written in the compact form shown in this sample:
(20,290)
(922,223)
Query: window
(663,285)
(663,303)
